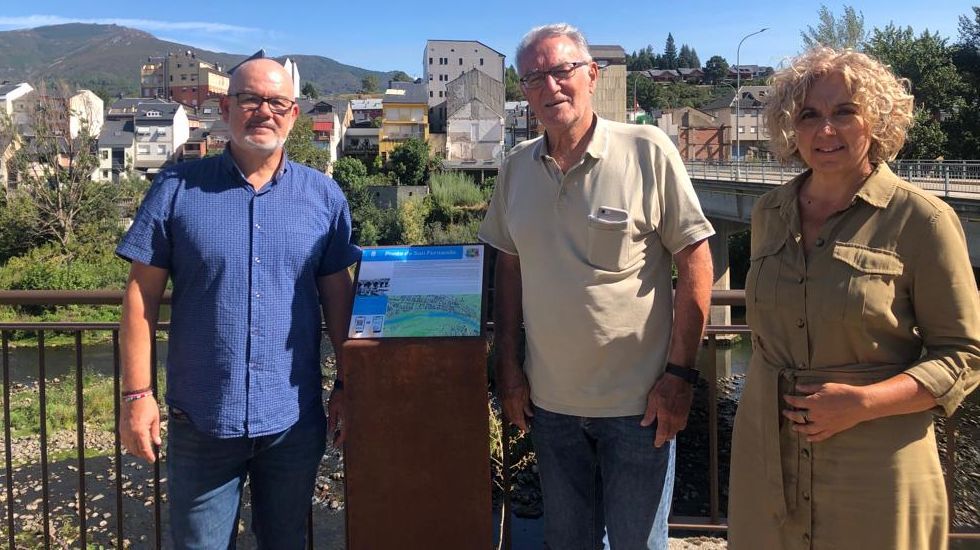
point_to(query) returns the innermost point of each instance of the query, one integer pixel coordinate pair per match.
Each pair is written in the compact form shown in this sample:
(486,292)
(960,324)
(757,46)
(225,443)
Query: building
(691,76)
(749,71)
(117,149)
(330,119)
(293,69)
(405,115)
(520,124)
(697,135)
(11,102)
(182,77)
(753,138)
(475,122)
(161,132)
(362,143)
(446,60)
(609,99)
(366,111)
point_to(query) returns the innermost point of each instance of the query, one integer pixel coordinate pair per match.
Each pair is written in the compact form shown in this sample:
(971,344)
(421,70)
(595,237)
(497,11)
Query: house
(161,132)
(475,123)
(366,111)
(405,115)
(749,71)
(15,105)
(660,75)
(182,77)
(362,143)
(446,60)
(697,134)
(117,149)
(520,124)
(691,76)
(750,139)
(609,99)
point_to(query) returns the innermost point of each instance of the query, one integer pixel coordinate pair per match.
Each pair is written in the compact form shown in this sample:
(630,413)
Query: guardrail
(949,178)
(14,508)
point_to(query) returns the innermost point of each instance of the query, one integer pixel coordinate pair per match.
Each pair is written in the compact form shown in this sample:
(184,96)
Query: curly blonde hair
(882,98)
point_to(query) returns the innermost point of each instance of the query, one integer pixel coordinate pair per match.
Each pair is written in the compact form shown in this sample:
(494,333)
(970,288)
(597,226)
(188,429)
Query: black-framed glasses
(535,79)
(253,102)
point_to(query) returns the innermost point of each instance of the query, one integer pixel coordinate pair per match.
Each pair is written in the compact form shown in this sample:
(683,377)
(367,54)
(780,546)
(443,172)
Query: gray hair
(547,31)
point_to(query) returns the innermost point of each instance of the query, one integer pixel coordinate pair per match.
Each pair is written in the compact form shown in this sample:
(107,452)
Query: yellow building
(405,114)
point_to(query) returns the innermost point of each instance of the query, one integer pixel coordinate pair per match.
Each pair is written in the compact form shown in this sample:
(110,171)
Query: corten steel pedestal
(417,453)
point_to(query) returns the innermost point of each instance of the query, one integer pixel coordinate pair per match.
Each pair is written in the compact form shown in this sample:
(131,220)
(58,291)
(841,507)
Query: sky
(390,35)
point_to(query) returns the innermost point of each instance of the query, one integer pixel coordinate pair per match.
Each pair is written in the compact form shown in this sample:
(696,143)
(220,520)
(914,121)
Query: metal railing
(948,177)
(14,508)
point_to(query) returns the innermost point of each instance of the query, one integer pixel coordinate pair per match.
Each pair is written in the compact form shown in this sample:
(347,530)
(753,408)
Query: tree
(301,148)
(513,85)
(369,84)
(695,61)
(716,70)
(56,200)
(965,123)
(410,162)
(309,90)
(670,53)
(646,92)
(349,170)
(401,76)
(838,33)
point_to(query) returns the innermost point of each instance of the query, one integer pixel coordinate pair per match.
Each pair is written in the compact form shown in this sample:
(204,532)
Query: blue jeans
(206,476)
(602,476)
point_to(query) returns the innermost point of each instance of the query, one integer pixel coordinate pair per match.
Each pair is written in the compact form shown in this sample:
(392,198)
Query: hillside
(107,59)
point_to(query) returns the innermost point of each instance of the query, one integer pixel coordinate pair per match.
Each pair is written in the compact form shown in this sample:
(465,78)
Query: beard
(265,146)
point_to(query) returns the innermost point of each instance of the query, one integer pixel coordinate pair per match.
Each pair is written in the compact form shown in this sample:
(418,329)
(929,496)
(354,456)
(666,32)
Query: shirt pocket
(610,245)
(870,275)
(762,277)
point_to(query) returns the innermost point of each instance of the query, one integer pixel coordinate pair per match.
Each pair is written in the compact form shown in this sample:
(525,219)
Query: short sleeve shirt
(595,247)
(244,348)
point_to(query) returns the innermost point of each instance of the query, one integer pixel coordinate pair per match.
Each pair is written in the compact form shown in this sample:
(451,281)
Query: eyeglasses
(252,102)
(536,79)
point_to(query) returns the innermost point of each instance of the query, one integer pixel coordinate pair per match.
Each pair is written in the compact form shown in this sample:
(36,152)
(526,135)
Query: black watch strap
(688,374)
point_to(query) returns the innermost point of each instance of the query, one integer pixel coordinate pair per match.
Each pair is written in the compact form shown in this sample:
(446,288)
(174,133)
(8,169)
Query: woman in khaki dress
(865,319)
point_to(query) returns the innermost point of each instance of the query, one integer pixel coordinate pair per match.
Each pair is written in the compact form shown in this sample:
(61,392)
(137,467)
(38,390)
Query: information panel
(419,291)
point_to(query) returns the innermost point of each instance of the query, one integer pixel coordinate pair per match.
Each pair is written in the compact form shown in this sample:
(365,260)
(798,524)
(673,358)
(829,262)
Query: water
(96,358)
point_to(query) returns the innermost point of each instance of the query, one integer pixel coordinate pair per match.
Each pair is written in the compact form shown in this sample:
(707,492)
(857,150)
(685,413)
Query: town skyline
(391,37)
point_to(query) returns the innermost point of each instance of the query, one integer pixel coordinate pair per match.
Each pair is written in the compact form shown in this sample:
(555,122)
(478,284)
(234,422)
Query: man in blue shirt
(255,246)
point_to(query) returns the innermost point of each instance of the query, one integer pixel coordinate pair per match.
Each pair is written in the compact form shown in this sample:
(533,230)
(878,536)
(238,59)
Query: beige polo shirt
(595,246)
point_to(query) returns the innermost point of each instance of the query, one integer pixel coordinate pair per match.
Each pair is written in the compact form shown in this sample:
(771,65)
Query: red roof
(324,126)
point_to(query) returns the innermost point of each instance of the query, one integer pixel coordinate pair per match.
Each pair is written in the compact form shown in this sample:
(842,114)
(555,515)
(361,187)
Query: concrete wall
(390,196)
(609,100)
(475,132)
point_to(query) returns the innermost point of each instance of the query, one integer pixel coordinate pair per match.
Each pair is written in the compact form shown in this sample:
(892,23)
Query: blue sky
(384,35)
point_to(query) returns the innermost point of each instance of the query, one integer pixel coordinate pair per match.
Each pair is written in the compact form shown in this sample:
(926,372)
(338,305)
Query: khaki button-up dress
(888,277)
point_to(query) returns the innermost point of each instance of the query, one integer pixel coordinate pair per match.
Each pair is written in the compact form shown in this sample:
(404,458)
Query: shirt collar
(877,190)
(229,164)
(598,143)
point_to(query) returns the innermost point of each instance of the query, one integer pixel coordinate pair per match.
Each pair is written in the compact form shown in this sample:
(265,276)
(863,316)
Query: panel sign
(419,291)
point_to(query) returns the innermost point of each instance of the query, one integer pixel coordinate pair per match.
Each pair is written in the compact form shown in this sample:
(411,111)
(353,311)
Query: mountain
(107,59)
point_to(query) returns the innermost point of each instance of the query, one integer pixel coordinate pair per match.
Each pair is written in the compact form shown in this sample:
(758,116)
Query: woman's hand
(826,409)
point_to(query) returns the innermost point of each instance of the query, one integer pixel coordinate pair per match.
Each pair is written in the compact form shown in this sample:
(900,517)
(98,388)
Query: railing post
(712,376)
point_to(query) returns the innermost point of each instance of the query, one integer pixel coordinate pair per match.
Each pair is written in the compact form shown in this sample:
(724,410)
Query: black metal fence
(15,508)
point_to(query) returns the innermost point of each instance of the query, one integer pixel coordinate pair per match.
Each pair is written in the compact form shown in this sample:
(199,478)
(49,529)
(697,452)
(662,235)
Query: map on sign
(417,291)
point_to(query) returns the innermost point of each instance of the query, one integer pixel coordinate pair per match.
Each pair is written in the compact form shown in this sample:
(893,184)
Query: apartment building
(446,60)
(182,77)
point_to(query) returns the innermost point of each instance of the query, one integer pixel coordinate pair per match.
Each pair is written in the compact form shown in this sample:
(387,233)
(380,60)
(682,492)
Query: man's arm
(669,402)
(139,423)
(512,385)
(336,293)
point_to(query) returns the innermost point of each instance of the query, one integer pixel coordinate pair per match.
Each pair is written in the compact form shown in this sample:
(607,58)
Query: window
(741,129)
(430,93)
(183,77)
(143,149)
(481,61)
(105,174)
(460,60)
(430,77)
(752,130)
(105,154)
(161,149)
(440,93)
(430,61)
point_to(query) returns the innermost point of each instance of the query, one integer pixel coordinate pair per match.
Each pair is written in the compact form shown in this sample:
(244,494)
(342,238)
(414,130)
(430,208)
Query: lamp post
(738,100)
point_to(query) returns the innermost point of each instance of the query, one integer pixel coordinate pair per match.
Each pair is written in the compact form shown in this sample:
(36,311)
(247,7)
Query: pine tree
(670,53)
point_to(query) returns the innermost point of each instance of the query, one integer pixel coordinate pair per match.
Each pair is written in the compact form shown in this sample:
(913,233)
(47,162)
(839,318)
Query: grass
(61,413)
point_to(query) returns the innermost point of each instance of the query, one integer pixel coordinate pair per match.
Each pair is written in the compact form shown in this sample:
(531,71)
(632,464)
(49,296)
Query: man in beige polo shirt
(587,220)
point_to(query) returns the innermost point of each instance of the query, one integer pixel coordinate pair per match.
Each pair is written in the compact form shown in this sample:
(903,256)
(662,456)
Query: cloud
(31,21)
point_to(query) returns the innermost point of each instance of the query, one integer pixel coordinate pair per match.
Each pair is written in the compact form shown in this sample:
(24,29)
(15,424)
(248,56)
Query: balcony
(84,468)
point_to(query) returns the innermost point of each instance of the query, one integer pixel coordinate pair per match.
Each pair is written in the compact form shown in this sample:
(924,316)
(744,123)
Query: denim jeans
(602,476)
(206,476)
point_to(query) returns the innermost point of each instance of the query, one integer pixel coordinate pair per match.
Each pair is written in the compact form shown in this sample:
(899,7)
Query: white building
(446,60)
(161,131)
(9,96)
(475,124)
(293,69)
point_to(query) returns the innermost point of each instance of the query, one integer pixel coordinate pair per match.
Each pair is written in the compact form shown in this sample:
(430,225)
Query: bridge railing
(91,487)
(946,177)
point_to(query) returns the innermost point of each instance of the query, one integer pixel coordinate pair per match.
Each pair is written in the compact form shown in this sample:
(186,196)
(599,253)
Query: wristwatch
(688,374)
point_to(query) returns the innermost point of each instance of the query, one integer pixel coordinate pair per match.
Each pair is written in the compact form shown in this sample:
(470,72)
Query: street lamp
(738,98)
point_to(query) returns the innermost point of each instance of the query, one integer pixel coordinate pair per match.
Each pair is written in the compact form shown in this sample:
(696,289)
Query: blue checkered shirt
(244,348)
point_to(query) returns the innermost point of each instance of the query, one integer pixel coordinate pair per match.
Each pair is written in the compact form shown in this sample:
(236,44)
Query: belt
(778,381)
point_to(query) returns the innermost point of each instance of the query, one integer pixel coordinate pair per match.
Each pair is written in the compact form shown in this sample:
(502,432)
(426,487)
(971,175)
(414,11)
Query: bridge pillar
(721,315)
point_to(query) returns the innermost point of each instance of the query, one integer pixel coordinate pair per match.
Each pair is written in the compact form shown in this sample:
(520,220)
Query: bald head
(265,70)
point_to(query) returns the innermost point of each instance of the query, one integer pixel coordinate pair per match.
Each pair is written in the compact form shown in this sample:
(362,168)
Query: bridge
(728,191)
